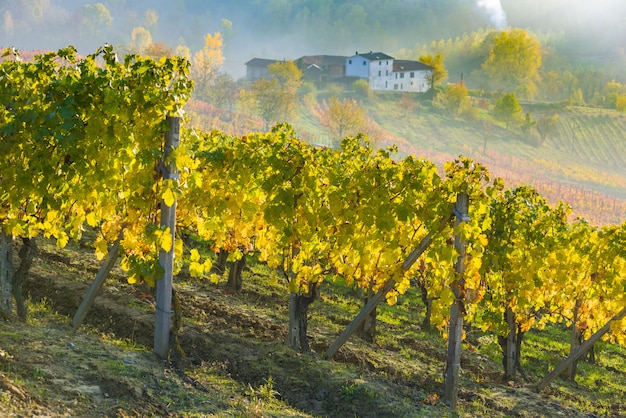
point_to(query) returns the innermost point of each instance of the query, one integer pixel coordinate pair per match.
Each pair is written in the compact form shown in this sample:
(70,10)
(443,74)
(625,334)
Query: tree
(224,91)
(183,51)
(141,39)
(207,63)
(546,125)
(611,91)
(362,89)
(96,19)
(507,109)
(276,96)
(620,103)
(157,50)
(439,73)
(552,86)
(577,98)
(342,117)
(151,18)
(453,100)
(514,60)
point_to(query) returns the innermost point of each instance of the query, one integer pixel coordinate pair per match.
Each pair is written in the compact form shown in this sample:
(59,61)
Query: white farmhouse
(385,73)
(375,67)
(412,76)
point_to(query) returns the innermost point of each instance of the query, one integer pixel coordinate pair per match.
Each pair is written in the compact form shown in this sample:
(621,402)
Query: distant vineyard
(597,137)
(583,162)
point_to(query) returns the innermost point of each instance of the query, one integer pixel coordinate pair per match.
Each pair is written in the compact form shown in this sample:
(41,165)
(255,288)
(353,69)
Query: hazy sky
(259,28)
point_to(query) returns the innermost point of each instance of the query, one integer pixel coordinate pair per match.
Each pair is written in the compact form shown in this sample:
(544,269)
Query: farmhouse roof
(375,56)
(406,65)
(323,60)
(260,62)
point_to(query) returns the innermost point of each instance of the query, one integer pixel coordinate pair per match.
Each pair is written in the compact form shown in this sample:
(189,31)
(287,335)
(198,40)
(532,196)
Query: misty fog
(283,29)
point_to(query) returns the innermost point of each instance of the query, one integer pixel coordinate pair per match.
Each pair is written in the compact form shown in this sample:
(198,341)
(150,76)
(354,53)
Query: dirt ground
(79,375)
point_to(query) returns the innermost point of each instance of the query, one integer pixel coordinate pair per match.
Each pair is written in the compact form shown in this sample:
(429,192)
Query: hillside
(582,162)
(237,365)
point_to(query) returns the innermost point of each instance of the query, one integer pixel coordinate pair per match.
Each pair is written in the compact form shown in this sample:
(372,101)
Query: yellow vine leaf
(168,197)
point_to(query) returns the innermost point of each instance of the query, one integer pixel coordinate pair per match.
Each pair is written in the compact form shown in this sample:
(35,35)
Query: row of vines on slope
(83,139)
(318,214)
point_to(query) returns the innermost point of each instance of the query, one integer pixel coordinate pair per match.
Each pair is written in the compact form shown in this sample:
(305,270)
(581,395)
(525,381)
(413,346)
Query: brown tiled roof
(324,60)
(260,62)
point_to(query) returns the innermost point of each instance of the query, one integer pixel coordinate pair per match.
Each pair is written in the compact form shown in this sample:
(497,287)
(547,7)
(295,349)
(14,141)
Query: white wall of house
(410,81)
(380,74)
(358,66)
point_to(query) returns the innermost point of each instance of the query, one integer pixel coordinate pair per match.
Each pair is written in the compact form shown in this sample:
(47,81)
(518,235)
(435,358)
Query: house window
(412,74)
(380,63)
(401,75)
(386,72)
(395,87)
(401,86)
(386,84)
(364,63)
(387,63)
(396,76)
(379,73)
(349,61)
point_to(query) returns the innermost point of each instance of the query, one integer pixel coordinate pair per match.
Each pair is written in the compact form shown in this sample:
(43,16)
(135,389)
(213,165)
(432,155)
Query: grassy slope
(582,163)
(234,348)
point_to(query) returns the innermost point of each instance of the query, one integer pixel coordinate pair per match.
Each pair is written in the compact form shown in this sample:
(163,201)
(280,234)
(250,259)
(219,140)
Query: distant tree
(362,89)
(342,117)
(334,89)
(151,19)
(528,123)
(577,98)
(611,91)
(620,103)
(308,93)
(276,96)
(141,38)
(157,50)
(453,99)
(546,125)
(182,51)
(507,109)
(552,86)
(570,84)
(96,20)
(514,61)
(264,97)
(224,91)
(207,63)
(439,73)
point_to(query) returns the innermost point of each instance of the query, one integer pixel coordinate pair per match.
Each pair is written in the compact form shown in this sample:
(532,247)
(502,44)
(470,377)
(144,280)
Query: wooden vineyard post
(6,272)
(584,347)
(166,258)
(95,287)
(375,300)
(455,336)
(511,338)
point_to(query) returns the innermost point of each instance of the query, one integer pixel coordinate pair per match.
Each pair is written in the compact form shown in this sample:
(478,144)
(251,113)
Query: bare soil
(231,351)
